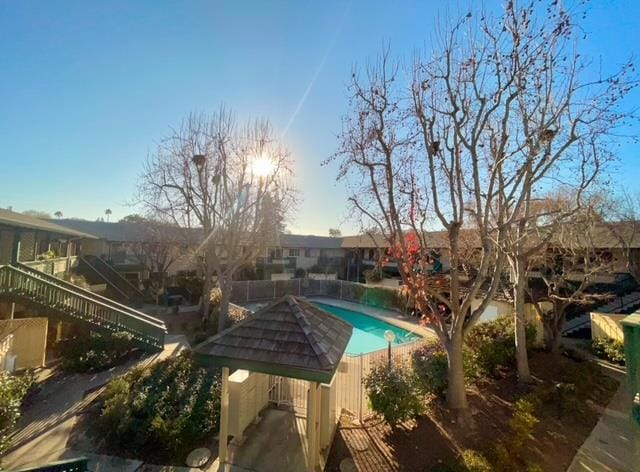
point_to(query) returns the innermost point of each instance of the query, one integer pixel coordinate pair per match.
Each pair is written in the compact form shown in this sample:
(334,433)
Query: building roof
(434,239)
(19,220)
(127,231)
(289,337)
(310,241)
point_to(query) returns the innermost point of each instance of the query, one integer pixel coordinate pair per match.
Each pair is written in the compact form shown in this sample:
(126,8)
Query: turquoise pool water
(368,332)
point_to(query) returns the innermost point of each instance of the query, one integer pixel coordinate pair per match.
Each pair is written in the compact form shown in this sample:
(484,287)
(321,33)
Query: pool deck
(408,323)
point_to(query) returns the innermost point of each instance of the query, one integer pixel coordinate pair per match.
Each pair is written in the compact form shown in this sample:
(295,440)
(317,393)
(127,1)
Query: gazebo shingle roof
(289,337)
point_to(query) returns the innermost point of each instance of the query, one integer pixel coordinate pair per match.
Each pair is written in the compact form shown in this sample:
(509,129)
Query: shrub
(474,461)
(430,366)
(609,349)
(95,352)
(13,390)
(492,344)
(392,393)
(508,453)
(167,407)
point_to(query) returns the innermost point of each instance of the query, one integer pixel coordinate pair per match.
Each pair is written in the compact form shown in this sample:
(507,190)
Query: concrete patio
(277,443)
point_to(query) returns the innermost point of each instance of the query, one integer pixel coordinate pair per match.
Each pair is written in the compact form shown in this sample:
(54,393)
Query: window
(276,253)
(294,252)
(307,252)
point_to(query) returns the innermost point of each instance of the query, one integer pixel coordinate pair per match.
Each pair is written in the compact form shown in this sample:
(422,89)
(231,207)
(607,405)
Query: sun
(263,166)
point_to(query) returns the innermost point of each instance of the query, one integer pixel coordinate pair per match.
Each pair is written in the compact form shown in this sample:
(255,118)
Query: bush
(95,352)
(430,366)
(473,461)
(392,393)
(492,344)
(609,349)
(215,298)
(509,452)
(13,390)
(168,407)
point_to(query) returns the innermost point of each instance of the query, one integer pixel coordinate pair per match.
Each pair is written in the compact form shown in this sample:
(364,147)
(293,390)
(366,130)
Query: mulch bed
(433,442)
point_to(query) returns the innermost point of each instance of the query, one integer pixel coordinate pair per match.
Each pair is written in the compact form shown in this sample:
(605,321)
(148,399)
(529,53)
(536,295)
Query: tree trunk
(206,294)
(554,343)
(522,359)
(456,392)
(556,324)
(223,314)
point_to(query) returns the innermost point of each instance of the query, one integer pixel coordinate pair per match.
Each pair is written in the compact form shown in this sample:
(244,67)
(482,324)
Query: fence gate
(288,392)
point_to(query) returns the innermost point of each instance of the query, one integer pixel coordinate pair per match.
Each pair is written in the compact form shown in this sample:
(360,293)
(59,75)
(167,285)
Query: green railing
(88,293)
(113,277)
(85,306)
(78,464)
(631,330)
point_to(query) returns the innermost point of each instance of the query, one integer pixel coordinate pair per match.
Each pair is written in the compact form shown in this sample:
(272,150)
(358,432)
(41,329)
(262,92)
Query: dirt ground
(434,443)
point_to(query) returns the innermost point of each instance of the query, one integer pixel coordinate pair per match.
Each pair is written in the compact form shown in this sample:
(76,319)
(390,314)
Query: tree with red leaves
(462,140)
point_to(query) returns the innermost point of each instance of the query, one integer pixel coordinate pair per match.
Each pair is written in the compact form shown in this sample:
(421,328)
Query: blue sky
(88,88)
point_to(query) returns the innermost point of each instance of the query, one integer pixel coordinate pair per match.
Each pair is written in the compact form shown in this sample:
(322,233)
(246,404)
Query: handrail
(107,301)
(84,260)
(128,286)
(76,304)
(157,322)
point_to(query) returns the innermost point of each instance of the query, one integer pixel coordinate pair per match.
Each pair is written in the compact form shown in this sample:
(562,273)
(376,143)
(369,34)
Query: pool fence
(250,291)
(347,389)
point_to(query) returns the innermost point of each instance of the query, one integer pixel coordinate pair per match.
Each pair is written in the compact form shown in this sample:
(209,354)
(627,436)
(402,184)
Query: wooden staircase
(121,286)
(20,282)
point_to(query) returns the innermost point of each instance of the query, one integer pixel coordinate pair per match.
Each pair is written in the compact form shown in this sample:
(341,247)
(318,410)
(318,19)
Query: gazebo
(290,337)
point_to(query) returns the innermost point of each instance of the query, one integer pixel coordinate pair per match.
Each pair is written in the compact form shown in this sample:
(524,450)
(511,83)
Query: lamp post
(390,337)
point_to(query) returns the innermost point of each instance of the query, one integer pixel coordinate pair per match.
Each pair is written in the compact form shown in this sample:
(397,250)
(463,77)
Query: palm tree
(108,213)
(58,214)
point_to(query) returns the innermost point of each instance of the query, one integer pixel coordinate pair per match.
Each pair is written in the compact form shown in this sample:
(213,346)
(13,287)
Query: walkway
(614,444)
(276,444)
(44,429)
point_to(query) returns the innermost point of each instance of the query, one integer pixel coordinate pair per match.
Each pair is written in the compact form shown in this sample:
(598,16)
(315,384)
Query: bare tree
(157,247)
(568,265)
(228,180)
(335,233)
(464,140)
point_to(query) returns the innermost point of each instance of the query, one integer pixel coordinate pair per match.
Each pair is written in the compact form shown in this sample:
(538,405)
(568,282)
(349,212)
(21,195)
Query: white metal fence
(348,382)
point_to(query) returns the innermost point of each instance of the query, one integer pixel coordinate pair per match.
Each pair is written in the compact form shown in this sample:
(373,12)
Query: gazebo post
(313,410)
(224,419)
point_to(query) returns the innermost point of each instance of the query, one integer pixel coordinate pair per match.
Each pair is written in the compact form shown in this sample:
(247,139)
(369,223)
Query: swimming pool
(368,332)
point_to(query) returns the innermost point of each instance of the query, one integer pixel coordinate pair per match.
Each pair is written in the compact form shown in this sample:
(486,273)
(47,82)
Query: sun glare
(263,166)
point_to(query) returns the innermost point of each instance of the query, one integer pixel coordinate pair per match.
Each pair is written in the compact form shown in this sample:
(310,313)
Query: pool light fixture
(390,337)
